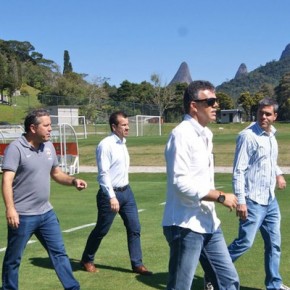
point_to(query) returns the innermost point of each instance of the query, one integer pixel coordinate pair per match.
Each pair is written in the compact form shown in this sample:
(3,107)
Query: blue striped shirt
(255,165)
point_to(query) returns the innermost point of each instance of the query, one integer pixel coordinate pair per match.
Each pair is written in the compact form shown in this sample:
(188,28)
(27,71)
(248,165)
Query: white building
(231,116)
(64,114)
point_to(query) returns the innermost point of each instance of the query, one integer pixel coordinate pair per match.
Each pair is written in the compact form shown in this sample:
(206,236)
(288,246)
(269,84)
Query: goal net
(145,125)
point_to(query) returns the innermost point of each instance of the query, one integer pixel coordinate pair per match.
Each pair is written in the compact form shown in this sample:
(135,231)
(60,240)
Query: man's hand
(242,211)
(12,218)
(115,206)
(281,183)
(231,201)
(79,184)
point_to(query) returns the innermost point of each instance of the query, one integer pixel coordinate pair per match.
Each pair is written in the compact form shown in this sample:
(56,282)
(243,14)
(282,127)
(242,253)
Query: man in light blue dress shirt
(115,196)
(190,223)
(255,176)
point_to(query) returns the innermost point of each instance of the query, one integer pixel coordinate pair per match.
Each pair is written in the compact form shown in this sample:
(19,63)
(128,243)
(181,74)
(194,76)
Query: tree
(67,66)
(163,97)
(175,112)
(96,101)
(70,89)
(283,97)
(246,101)
(126,92)
(225,101)
(267,90)
(17,49)
(3,65)
(144,92)
(256,99)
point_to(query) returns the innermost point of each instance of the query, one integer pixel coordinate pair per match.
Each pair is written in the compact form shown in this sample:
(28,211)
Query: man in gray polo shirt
(28,164)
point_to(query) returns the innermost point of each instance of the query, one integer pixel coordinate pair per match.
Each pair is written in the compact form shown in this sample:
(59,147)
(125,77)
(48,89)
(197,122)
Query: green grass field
(148,151)
(76,209)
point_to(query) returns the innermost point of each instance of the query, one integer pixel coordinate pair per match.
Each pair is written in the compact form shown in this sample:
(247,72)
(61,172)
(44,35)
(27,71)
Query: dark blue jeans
(47,230)
(129,214)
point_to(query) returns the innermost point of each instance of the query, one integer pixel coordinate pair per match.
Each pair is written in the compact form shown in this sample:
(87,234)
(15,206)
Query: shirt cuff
(241,199)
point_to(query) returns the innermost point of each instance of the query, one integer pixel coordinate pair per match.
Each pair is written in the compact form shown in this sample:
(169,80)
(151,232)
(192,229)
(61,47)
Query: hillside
(269,74)
(15,113)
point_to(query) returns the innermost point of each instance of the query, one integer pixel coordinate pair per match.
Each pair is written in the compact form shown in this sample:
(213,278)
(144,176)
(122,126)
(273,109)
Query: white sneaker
(208,286)
(284,287)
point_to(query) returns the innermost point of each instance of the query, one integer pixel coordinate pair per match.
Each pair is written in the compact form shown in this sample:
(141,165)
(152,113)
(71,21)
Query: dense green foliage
(21,65)
(67,66)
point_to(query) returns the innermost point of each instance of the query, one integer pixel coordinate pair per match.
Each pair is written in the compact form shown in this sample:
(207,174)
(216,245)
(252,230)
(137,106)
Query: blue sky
(132,39)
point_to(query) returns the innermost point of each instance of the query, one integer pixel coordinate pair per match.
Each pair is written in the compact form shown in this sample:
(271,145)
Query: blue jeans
(188,247)
(46,228)
(265,218)
(129,213)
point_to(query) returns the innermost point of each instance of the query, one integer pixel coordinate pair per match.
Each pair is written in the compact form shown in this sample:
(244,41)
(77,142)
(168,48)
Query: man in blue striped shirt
(255,176)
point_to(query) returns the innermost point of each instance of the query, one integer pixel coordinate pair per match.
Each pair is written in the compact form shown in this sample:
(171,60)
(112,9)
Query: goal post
(145,125)
(65,142)
(77,122)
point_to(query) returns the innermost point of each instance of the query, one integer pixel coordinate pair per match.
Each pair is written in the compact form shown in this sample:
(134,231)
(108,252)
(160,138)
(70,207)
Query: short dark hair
(32,118)
(268,102)
(114,118)
(191,92)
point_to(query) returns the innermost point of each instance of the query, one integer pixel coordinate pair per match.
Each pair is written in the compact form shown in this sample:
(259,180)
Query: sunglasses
(210,101)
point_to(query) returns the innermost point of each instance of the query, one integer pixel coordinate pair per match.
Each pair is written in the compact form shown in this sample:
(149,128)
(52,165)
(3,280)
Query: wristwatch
(221,198)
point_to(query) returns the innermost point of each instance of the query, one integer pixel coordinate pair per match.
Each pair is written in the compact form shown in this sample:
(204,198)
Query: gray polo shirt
(31,185)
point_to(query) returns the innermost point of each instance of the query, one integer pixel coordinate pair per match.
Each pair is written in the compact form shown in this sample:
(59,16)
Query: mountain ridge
(269,74)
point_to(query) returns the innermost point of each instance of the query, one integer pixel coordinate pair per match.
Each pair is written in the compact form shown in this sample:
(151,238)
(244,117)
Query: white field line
(66,231)
(78,228)
(85,226)
(29,242)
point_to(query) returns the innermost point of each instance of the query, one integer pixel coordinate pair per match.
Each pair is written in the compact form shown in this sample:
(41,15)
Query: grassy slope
(20,105)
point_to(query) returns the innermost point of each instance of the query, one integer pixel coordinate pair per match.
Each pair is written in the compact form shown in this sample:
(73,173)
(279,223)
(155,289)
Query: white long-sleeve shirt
(113,164)
(190,177)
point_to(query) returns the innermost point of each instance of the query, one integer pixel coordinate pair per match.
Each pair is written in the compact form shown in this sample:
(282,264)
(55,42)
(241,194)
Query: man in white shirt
(190,223)
(115,196)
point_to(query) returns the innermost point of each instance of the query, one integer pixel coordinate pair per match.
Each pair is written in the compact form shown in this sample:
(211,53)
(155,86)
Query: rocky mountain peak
(242,71)
(285,52)
(182,75)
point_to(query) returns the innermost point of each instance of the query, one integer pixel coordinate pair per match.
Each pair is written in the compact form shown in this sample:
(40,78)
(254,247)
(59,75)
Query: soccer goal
(145,125)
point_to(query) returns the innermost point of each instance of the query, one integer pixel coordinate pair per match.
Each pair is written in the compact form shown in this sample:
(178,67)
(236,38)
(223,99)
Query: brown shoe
(89,267)
(142,270)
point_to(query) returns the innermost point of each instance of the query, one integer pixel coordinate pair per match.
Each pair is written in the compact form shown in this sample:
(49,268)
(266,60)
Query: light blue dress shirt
(255,165)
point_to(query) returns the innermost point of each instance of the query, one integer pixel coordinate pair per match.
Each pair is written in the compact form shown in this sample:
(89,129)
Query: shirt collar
(117,139)
(260,131)
(25,143)
(198,128)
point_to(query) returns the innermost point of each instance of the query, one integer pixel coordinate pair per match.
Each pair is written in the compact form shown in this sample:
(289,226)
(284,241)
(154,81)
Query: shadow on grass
(156,281)
(75,264)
